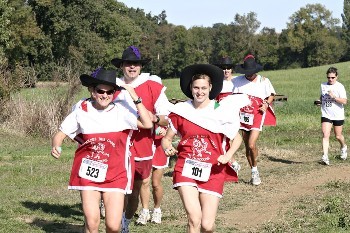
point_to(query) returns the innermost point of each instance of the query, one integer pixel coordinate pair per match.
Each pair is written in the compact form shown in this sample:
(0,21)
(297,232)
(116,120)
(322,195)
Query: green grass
(34,195)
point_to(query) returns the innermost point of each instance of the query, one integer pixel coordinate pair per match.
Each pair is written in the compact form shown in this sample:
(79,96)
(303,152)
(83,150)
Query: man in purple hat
(151,93)
(258,113)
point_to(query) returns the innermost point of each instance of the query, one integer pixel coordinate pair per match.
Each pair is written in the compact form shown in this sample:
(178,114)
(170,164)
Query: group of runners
(126,128)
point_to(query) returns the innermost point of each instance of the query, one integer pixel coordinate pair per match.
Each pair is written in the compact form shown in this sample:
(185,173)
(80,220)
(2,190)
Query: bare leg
(190,199)
(209,204)
(157,187)
(91,207)
(326,132)
(114,209)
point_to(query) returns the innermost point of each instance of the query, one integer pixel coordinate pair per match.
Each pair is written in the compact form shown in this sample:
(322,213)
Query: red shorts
(251,117)
(231,175)
(142,169)
(160,160)
(214,186)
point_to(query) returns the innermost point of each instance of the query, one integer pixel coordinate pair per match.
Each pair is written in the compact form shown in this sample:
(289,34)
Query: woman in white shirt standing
(333,98)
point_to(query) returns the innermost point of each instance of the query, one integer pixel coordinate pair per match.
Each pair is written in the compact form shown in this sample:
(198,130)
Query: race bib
(93,170)
(246,118)
(196,170)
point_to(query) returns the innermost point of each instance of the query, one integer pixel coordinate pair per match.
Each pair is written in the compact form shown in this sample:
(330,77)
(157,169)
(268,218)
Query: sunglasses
(101,92)
(331,77)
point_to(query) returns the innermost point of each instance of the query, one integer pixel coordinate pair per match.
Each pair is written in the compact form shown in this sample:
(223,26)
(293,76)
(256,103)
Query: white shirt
(261,88)
(330,108)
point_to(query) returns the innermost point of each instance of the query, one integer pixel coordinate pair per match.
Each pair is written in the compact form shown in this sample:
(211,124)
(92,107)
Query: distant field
(297,194)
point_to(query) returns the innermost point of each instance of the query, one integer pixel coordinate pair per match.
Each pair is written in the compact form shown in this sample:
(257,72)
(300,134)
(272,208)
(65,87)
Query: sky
(270,13)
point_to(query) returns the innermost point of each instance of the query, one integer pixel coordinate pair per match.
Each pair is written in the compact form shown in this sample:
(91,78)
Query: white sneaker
(144,217)
(344,152)
(235,166)
(256,178)
(325,159)
(156,217)
(102,209)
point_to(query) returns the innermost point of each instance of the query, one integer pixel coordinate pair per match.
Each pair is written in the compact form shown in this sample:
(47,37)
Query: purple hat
(131,54)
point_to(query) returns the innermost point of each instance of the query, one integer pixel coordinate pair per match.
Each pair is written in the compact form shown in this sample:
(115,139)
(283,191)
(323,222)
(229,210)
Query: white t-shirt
(331,109)
(261,88)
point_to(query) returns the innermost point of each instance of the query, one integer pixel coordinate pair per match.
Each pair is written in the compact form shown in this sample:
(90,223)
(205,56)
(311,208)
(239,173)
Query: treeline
(46,34)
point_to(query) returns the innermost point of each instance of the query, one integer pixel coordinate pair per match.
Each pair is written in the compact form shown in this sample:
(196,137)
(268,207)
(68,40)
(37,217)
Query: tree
(346,28)
(310,38)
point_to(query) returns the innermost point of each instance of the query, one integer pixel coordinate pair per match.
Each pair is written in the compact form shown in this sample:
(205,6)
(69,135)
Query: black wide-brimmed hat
(100,76)
(249,67)
(225,63)
(131,54)
(215,73)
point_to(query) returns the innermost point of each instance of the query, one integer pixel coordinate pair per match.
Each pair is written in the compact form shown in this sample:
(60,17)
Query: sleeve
(342,92)
(70,125)
(173,122)
(269,88)
(129,115)
(161,106)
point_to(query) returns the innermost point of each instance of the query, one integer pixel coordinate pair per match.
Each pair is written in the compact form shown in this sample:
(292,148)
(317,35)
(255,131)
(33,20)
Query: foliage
(42,33)
(310,38)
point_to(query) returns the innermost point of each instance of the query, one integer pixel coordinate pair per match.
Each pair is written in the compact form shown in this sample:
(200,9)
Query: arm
(267,102)
(338,99)
(56,144)
(167,145)
(235,144)
(144,120)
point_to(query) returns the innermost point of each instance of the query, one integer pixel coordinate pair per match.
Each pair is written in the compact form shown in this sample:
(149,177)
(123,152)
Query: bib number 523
(93,170)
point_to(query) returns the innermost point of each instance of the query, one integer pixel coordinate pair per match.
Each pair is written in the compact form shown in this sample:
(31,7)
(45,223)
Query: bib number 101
(196,170)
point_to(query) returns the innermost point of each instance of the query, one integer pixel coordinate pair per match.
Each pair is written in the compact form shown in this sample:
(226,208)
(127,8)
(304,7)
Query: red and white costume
(151,91)
(204,133)
(102,161)
(258,91)
(160,160)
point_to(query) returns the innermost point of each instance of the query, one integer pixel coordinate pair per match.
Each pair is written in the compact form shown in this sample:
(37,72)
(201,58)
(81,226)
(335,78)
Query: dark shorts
(334,122)
(143,169)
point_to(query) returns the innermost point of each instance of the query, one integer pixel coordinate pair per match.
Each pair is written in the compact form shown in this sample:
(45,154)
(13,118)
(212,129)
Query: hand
(56,151)
(131,91)
(170,151)
(331,94)
(223,159)
(162,131)
(264,107)
(317,102)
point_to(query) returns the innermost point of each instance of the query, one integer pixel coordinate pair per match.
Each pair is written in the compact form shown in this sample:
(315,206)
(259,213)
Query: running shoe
(156,217)
(102,209)
(325,159)
(256,178)
(144,217)
(344,152)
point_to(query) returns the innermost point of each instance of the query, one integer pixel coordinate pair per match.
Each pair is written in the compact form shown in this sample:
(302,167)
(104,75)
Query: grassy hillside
(34,195)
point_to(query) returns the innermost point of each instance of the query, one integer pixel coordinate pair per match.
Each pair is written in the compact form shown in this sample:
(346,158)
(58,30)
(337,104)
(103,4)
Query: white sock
(145,210)
(254,169)
(157,210)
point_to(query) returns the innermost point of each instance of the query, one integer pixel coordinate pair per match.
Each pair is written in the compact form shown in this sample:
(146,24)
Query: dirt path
(274,196)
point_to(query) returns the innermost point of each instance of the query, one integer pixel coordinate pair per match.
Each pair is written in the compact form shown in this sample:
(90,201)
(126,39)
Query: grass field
(297,194)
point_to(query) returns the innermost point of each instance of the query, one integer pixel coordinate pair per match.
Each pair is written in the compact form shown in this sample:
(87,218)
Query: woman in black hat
(206,128)
(227,66)
(259,113)
(101,164)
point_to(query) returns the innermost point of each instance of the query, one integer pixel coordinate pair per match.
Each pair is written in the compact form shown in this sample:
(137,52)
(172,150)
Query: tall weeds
(37,114)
